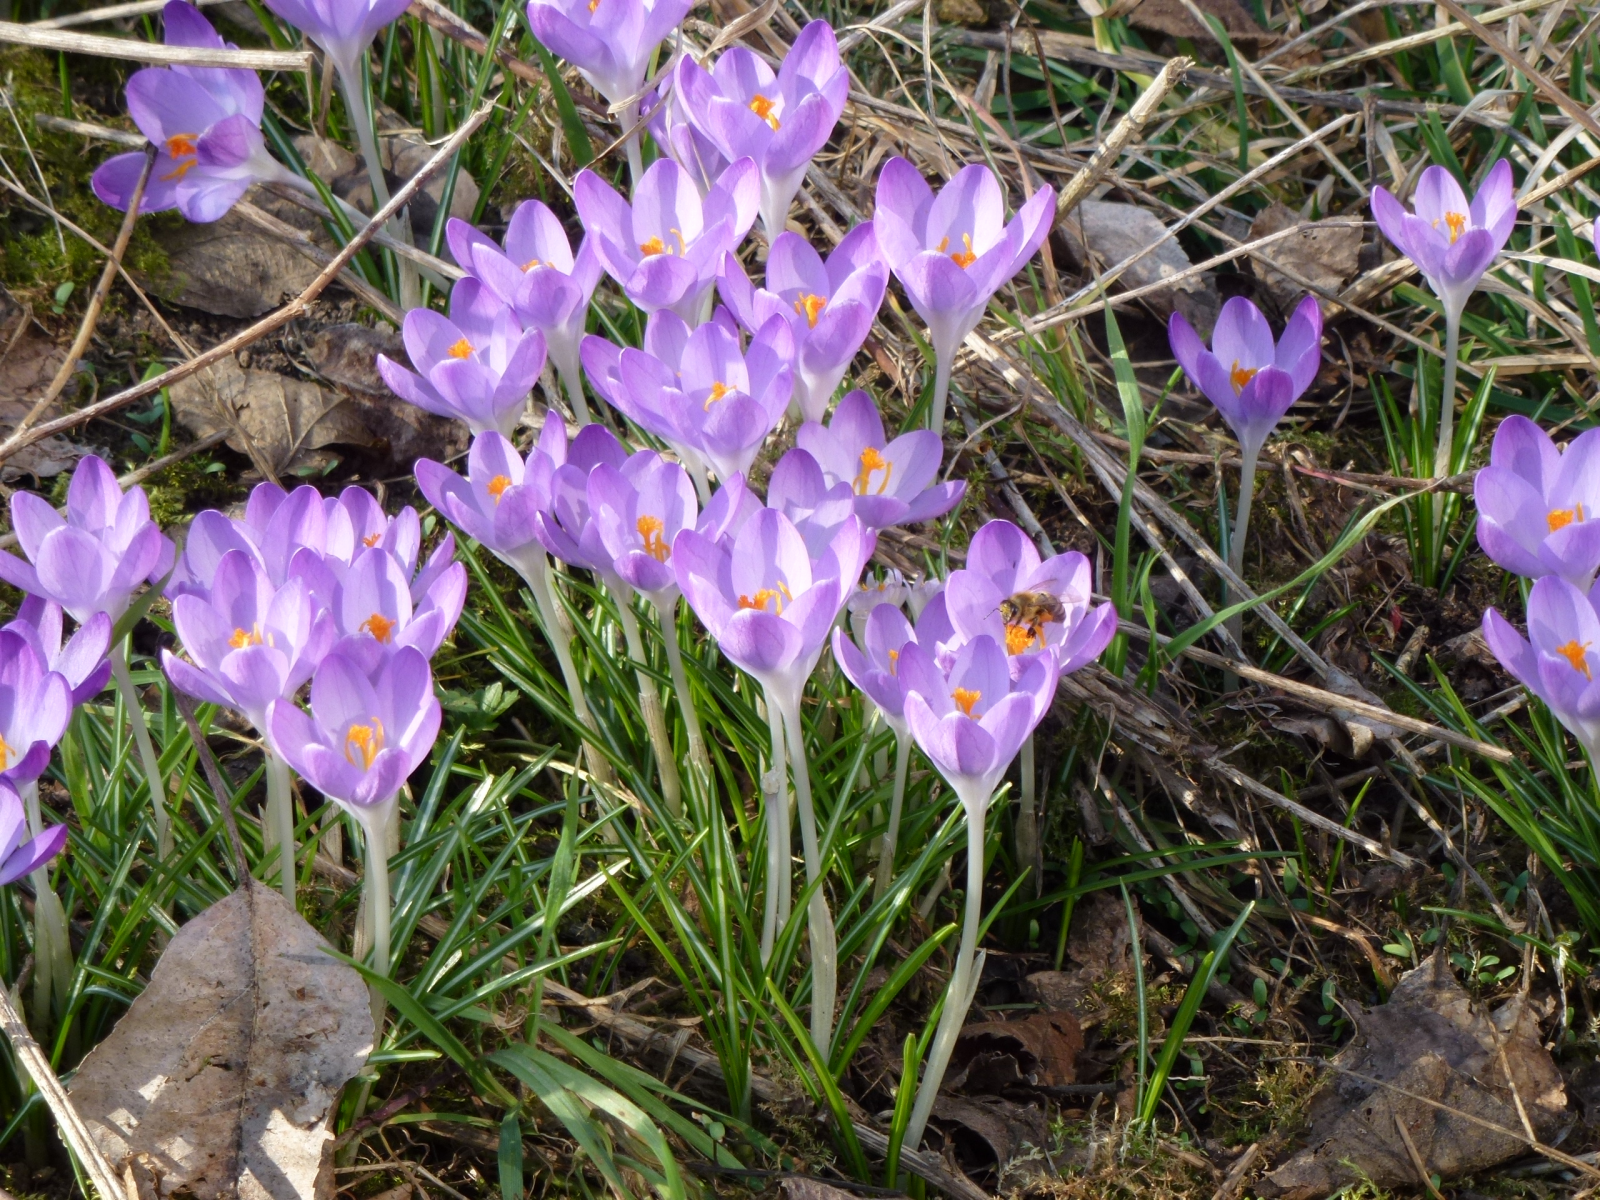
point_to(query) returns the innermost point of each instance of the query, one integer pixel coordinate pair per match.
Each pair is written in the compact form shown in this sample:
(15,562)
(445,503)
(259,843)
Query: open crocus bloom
(1537,505)
(564,527)
(636,511)
(1451,241)
(971,719)
(92,560)
(537,274)
(82,662)
(778,120)
(344,28)
(375,614)
(35,706)
(498,501)
(999,594)
(276,526)
(677,136)
(1252,380)
(206,125)
(893,482)
(19,857)
(799,490)
(1558,658)
(953,251)
(609,41)
(765,599)
(875,666)
(364,735)
(830,306)
(477,365)
(249,643)
(664,249)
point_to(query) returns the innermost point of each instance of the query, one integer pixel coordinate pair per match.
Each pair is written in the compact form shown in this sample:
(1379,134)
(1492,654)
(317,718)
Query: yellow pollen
(762,107)
(372,539)
(497,486)
(1575,654)
(1457,223)
(964,258)
(182,145)
(650,529)
(718,391)
(944,244)
(1560,518)
(242,637)
(593,4)
(531,264)
(364,740)
(654,246)
(965,699)
(812,307)
(894,660)
(5,754)
(762,598)
(1020,637)
(462,349)
(1240,376)
(872,460)
(379,626)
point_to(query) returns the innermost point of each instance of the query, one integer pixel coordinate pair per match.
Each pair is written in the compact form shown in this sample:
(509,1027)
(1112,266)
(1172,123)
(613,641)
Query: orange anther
(1560,518)
(497,486)
(462,349)
(650,529)
(812,307)
(762,107)
(379,626)
(965,699)
(1576,655)
(1240,376)
(365,741)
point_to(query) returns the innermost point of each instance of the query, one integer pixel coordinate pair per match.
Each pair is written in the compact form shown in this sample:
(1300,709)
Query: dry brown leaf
(796,1188)
(1172,18)
(1113,232)
(992,1134)
(1430,1042)
(1323,252)
(272,418)
(220,1080)
(28,362)
(1099,949)
(1041,1048)
(231,268)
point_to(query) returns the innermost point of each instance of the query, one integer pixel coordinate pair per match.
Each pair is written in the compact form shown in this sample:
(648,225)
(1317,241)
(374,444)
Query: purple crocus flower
(778,120)
(206,125)
(720,403)
(677,136)
(893,482)
(1002,563)
(665,248)
(19,857)
(35,707)
(1537,505)
(1252,380)
(92,560)
(636,510)
(799,490)
(344,28)
(477,365)
(830,306)
(953,252)
(83,661)
(875,666)
(768,602)
(1557,660)
(537,274)
(498,501)
(1451,241)
(276,526)
(250,643)
(376,616)
(563,527)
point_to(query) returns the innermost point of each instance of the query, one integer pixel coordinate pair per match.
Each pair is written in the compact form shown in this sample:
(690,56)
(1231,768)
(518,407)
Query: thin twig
(1123,132)
(153,52)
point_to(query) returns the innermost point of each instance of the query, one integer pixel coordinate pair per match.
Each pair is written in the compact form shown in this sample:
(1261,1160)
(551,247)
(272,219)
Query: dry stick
(1123,132)
(272,321)
(91,315)
(73,1131)
(306,248)
(1527,70)
(152,52)
(110,13)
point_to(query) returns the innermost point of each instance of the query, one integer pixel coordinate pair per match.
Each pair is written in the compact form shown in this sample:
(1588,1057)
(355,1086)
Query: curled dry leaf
(1450,1073)
(1113,232)
(219,1082)
(1041,1048)
(1325,253)
(28,362)
(276,420)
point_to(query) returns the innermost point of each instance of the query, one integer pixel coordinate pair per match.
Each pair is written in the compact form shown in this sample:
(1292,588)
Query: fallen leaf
(221,1078)
(991,1134)
(1174,19)
(346,356)
(1430,1061)
(1098,949)
(1113,232)
(1325,253)
(796,1188)
(275,420)
(1040,1049)
(29,361)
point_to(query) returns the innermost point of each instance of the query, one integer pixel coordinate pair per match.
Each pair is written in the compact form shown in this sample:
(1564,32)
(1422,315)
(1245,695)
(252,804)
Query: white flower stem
(698,758)
(52,974)
(891,834)
(941,392)
(147,750)
(1029,857)
(629,119)
(352,81)
(655,721)
(560,634)
(958,995)
(280,818)
(775,796)
(375,900)
(824,945)
(572,384)
(1447,400)
(1241,526)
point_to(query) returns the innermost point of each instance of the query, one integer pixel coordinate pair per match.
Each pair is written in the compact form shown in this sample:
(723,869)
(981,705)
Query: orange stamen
(718,391)
(965,699)
(497,486)
(242,637)
(5,754)
(944,244)
(462,349)
(762,107)
(1577,656)
(379,626)
(894,660)
(1560,518)
(812,307)
(762,598)
(653,247)
(872,460)
(1019,638)
(1457,223)
(964,258)
(372,539)
(650,530)
(182,145)
(366,741)
(531,264)
(1240,376)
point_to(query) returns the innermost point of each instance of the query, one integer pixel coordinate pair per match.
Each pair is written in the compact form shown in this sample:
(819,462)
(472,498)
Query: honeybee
(1030,612)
